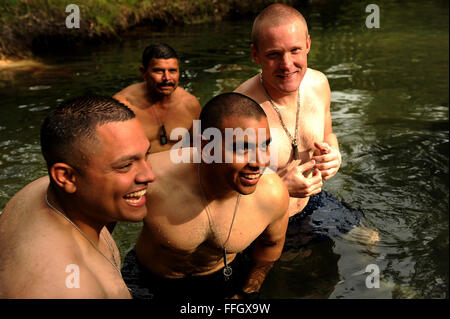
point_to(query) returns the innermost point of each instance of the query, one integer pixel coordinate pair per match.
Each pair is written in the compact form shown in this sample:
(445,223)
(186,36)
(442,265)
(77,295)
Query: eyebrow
(130,157)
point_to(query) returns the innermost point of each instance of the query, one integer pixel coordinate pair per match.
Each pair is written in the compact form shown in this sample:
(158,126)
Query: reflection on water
(390,113)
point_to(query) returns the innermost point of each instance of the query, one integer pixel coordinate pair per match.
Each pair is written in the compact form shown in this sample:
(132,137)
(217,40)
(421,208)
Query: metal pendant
(295,153)
(227,271)
(163,136)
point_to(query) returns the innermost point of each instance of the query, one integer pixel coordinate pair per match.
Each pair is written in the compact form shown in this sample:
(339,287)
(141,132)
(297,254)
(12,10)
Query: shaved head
(275,15)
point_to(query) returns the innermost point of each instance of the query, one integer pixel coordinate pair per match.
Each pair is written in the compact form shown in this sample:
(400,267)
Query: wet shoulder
(131,95)
(272,194)
(316,81)
(171,167)
(24,201)
(189,101)
(251,88)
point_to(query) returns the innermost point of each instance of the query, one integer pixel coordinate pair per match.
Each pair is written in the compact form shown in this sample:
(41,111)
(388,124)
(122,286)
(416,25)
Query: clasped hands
(325,164)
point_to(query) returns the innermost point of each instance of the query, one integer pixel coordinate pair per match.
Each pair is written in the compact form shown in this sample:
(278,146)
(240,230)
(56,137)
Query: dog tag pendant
(295,153)
(163,136)
(227,270)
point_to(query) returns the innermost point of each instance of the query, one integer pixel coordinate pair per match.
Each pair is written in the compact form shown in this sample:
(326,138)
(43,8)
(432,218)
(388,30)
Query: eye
(125,167)
(272,54)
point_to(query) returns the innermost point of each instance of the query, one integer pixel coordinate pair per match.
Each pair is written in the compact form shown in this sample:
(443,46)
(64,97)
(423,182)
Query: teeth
(133,201)
(251,176)
(135,194)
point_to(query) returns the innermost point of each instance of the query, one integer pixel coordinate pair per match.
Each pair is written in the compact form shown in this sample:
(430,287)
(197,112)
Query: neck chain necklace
(85,236)
(163,136)
(227,270)
(295,153)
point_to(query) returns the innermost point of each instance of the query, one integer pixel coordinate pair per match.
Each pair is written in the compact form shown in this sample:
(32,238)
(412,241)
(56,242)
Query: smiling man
(204,214)
(158,102)
(53,243)
(296,100)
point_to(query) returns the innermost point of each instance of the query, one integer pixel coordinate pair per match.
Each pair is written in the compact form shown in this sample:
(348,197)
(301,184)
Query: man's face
(282,53)
(161,76)
(250,154)
(113,183)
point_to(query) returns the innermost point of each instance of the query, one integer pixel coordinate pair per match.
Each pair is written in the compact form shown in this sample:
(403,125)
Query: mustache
(172,84)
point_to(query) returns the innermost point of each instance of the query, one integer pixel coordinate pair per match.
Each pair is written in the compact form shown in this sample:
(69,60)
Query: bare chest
(153,119)
(310,129)
(195,235)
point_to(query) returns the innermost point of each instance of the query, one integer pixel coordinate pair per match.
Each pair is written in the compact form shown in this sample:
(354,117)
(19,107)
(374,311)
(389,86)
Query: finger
(315,179)
(307,166)
(323,147)
(293,165)
(315,186)
(314,192)
(329,174)
(326,165)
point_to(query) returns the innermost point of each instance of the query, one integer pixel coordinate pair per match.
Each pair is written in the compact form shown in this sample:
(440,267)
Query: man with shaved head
(296,100)
(205,212)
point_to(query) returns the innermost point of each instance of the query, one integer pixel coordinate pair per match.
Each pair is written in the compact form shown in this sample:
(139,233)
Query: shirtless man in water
(308,149)
(158,102)
(53,243)
(203,214)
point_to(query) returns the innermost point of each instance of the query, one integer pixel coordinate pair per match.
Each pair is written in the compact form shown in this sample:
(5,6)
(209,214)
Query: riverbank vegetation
(31,26)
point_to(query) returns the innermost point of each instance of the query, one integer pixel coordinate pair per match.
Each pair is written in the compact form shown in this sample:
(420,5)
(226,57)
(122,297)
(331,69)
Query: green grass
(22,22)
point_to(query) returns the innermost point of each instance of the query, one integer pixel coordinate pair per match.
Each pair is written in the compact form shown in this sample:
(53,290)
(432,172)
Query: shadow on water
(307,272)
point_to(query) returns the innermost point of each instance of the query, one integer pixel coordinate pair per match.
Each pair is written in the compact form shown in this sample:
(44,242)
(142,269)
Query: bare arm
(269,245)
(327,156)
(267,250)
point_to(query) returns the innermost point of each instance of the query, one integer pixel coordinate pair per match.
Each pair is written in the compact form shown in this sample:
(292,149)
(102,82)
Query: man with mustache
(53,239)
(203,213)
(158,102)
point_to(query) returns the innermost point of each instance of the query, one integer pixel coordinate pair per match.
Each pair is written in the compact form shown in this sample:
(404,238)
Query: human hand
(329,160)
(297,184)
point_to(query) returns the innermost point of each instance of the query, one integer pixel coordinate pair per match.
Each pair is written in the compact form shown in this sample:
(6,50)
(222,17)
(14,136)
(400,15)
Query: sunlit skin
(159,100)
(250,156)
(282,53)
(177,241)
(281,50)
(161,77)
(119,167)
(37,243)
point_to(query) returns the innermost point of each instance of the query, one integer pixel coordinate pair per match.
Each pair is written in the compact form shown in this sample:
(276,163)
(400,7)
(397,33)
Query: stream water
(390,112)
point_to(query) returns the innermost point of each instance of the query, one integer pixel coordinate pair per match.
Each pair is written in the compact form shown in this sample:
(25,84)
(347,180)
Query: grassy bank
(30,26)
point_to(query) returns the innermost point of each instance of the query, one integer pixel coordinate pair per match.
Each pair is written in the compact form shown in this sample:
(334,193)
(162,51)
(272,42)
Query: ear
(142,70)
(308,44)
(64,176)
(254,53)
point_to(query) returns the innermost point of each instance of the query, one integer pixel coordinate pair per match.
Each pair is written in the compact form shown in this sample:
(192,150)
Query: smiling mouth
(135,197)
(249,178)
(284,76)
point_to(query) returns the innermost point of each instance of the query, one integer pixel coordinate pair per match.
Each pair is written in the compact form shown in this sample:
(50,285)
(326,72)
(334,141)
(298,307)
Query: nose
(262,159)
(166,75)
(145,174)
(286,61)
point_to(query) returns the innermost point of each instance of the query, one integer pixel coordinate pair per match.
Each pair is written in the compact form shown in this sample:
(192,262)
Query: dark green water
(390,112)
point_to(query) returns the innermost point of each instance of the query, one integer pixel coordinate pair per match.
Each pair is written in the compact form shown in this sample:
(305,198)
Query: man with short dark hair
(203,213)
(53,243)
(159,103)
